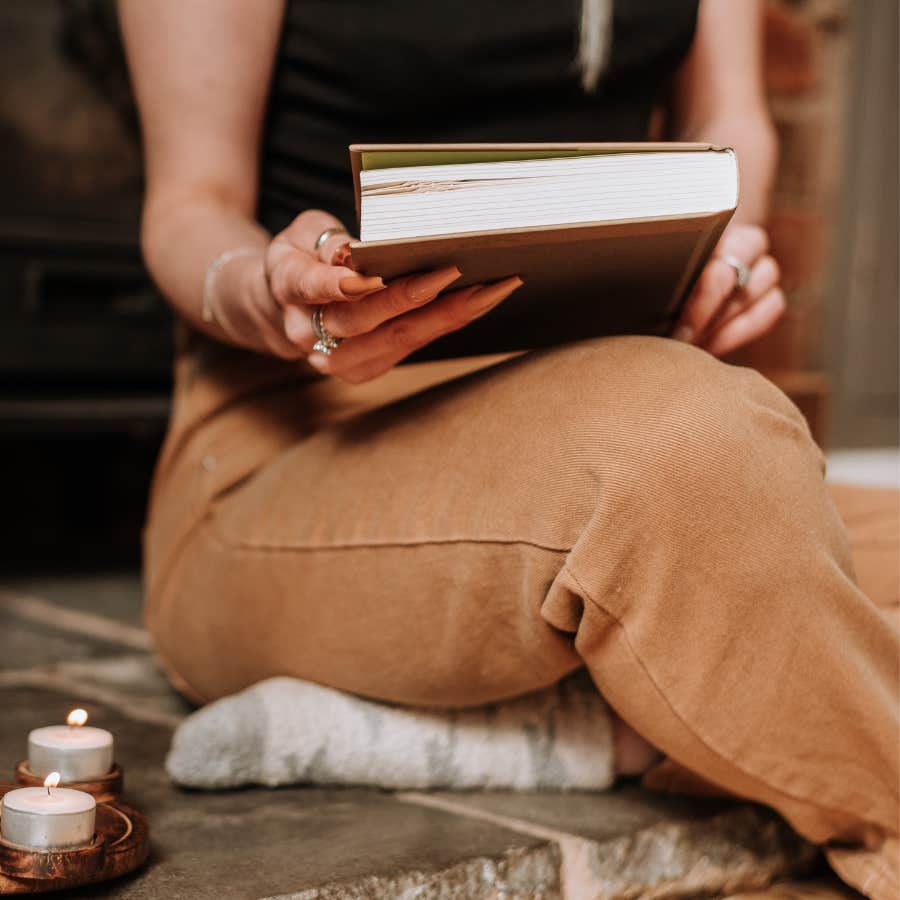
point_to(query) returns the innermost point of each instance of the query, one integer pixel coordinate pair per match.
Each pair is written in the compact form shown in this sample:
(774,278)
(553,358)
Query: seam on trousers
(752,775)
(216,537)
(242,544)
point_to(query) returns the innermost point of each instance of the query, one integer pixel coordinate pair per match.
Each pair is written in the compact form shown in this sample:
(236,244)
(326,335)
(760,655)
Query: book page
(407,202)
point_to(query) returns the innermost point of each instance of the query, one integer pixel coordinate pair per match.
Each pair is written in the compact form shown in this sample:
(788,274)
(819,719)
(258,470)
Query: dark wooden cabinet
(85,340)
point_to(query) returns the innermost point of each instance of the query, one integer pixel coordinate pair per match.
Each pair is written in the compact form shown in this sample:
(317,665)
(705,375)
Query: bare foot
(634,755)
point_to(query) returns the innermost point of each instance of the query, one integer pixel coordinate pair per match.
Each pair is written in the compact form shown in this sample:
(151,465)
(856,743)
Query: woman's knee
(709,493)
(672,392)
(669,424)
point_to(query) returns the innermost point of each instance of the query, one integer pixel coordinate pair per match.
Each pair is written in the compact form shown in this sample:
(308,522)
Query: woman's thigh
(405,553)
(402,553)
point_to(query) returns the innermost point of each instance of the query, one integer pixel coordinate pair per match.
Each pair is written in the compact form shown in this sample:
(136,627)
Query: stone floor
(70,641)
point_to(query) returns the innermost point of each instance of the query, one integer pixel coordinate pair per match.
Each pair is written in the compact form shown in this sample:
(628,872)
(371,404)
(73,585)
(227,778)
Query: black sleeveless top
(394,71)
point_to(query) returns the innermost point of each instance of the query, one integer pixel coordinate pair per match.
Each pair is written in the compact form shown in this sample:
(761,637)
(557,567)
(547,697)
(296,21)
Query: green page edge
(389,159)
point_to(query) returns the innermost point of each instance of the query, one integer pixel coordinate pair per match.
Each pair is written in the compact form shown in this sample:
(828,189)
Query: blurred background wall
(85,342)
(832,76)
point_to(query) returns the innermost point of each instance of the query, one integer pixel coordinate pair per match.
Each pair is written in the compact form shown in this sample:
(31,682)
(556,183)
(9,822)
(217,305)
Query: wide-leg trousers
(459,532)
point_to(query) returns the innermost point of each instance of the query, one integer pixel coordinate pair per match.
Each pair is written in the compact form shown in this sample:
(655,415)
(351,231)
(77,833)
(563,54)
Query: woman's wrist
(209,299)
(245,312)
(234,281)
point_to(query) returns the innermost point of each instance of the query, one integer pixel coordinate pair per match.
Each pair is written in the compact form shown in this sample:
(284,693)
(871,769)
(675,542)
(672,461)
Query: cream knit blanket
(286,731)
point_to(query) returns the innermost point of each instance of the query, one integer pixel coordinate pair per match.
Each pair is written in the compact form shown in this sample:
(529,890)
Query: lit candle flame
(52,780)
(77,717)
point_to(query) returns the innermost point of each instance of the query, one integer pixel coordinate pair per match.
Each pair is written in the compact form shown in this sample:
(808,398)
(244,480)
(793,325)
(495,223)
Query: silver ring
(326,340)
(741,271)
(327,233)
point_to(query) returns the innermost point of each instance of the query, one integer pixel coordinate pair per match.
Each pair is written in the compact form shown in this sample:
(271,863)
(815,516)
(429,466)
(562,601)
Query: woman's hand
(379,324)
(719,318)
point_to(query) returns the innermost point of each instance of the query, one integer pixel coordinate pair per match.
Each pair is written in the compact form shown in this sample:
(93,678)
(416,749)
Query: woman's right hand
(379,324)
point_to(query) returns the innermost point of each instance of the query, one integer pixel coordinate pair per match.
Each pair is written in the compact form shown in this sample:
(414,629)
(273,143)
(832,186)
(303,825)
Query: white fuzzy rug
(286,731)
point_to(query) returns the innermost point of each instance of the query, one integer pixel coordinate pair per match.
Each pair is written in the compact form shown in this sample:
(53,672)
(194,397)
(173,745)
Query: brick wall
(807,46)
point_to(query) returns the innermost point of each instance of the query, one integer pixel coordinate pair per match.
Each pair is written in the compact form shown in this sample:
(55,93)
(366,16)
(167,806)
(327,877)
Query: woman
(458,532)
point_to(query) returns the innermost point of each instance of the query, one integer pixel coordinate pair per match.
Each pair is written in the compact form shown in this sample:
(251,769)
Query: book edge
(356,152)
(540,229)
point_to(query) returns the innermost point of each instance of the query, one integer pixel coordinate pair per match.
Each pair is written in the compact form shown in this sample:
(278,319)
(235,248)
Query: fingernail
(424,287)
(357,285)
(343,257)
(494,293)
(683,333)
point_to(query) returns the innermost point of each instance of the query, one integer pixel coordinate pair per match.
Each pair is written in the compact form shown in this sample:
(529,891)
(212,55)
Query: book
(608,238)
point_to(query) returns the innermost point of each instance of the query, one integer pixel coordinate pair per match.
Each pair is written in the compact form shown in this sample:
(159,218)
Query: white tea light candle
(76,751)
(47,818)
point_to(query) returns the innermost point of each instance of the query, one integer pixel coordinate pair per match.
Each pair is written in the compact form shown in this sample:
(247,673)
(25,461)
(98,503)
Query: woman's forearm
(754,140)
(200,73)
(719,97)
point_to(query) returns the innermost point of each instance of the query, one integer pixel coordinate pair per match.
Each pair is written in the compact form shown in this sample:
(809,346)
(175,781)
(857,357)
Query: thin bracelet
(207,310)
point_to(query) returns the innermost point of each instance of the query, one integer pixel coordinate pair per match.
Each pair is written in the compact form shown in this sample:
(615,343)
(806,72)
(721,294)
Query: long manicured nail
(424,287)
(357,285)
(494,293)
(683,333)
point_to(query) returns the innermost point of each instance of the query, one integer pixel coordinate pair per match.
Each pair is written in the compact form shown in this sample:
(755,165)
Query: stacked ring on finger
(327,233)
(326,340)
(741,271)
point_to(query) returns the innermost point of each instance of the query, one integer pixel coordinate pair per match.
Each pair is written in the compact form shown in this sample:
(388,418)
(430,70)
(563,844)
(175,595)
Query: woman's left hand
(717,316)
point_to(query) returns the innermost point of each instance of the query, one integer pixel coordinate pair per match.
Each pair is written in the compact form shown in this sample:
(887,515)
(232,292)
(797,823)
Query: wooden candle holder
(103,789)
(121,844)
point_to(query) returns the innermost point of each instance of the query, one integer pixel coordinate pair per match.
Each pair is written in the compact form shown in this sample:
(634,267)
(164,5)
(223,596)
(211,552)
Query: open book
(608,238)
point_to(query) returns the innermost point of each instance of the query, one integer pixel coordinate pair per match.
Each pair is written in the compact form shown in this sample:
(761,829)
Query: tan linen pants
(460,532)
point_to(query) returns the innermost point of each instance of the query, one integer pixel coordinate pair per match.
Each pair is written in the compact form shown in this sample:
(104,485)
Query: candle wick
(48,791)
